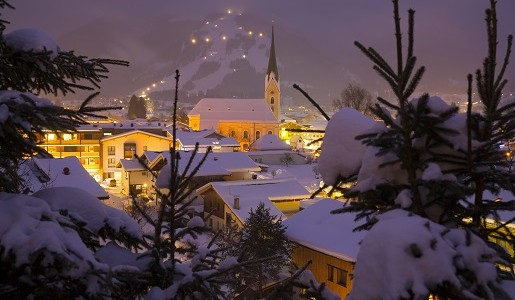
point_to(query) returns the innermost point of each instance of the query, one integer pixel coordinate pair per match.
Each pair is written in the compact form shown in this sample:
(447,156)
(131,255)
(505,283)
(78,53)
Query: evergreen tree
(137,108)
(422,166)
(261,237)
(27,73)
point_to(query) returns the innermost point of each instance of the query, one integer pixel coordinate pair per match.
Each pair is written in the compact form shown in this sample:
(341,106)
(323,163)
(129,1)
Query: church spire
(272,63)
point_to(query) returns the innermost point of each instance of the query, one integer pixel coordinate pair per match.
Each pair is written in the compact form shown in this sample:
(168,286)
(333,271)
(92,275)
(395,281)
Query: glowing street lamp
(229,11)
(224,37)
(193,41)
(207,40)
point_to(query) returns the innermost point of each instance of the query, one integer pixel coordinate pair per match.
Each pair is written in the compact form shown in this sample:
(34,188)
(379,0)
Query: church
(246,120)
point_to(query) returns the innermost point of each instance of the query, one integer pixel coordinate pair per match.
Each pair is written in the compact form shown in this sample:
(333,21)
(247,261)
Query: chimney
(66,171)
(236,202)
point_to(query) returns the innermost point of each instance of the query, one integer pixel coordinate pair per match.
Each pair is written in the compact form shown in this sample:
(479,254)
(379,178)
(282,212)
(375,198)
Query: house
(271,150)
(228,202)
(217,167)
(125,146)
(136,179)
(186,140)
(41,173)
(246,120)
(86,143)
(328,241)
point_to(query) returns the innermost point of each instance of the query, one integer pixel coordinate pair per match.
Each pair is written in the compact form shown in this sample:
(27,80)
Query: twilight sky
(450,35)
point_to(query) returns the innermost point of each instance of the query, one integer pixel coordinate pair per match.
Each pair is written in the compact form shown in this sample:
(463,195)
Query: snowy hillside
(223,55)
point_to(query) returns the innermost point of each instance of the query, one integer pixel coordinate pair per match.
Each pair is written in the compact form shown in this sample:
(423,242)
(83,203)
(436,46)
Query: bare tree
(354,96)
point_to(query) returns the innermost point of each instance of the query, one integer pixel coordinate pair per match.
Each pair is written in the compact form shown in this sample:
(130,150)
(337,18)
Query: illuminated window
(111,150)
(111,162)
(51,137)
(69,136)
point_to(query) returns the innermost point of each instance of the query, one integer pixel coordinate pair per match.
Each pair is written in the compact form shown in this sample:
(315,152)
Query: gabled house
(41,173)
(271,150)
(186,140)
(228,202)
(125,146)
(328,240)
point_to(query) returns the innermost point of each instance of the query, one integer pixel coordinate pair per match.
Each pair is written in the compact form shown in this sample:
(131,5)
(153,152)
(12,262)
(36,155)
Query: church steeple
(272,86)
(272,63)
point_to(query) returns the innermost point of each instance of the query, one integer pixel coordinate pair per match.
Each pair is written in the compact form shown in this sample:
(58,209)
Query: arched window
(269,132)
(233,133)
(245,134)
(272,100)
(258,134)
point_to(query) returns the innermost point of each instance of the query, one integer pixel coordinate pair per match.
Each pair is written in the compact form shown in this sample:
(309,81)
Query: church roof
(272,62)
(214,110)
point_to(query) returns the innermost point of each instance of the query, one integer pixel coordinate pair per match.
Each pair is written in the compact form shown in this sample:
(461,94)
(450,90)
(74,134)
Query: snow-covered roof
(112,137)
(253,192)
(219,163)
(269,152)
(213,110)
(269,142)
(315,227)
(205,142)
(131,165)
(134,124)
(200,134)
(40,173)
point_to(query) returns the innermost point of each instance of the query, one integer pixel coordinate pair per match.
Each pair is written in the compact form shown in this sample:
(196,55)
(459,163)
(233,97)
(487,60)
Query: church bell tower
(272,87)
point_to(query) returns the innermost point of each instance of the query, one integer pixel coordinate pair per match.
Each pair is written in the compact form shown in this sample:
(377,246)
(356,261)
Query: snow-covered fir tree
(426,182)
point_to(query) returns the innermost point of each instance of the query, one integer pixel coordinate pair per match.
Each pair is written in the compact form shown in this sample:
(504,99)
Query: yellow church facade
(246,120)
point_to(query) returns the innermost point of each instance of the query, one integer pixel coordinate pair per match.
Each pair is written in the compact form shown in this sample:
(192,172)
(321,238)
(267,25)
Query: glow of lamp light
(250,32)
(207,40)
(229,11)
(162,81)
(260,34)
(244,55)
(224,37)
(148,89)
(193,41)
(153,85)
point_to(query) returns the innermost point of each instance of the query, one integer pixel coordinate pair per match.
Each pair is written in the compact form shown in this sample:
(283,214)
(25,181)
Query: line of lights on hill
(146,91)
(223,37)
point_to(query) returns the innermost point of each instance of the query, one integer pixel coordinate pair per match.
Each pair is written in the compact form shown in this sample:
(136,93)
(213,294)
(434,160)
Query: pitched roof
(131,165)
(315,227)
(40,173)
(214,110)
(269,142)
(253,192)
(136,131)
(219,163)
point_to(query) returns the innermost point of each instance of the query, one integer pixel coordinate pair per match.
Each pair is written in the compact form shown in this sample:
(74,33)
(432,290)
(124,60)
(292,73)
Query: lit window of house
(51,137)
(111,150)
(111,162)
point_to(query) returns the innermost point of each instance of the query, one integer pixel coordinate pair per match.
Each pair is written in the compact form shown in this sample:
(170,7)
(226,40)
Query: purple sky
(454,28)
